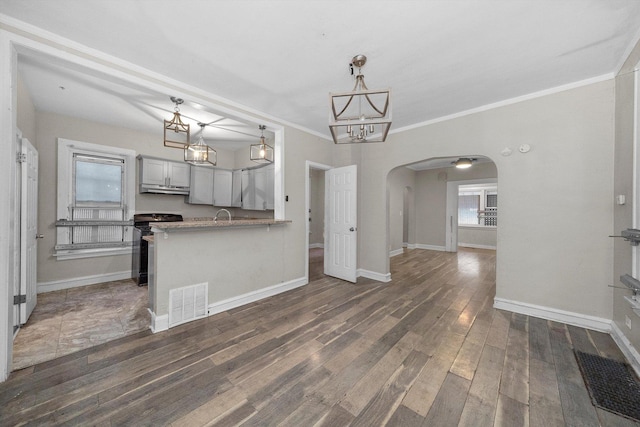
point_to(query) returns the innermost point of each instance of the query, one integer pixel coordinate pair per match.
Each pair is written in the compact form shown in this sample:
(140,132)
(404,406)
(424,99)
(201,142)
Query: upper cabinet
(163,176)
(257,188)
(201,186)
(236,189)
(222,187)
(210,186)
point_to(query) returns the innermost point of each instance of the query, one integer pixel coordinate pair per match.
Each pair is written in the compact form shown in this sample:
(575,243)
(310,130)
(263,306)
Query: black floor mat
(612,385)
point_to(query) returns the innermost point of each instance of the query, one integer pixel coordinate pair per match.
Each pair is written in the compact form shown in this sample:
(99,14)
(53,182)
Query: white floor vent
(188,303)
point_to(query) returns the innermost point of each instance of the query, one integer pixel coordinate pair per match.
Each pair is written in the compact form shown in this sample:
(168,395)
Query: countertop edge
(191,225)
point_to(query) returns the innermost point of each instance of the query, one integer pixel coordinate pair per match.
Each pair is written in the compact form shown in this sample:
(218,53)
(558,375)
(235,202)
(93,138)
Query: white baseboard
(396,252)
(570,318)
(57,285)
(626,347)
(411,246)
(430,247)
(237,301)
(380,277)
(316,245)
(159,323)
(474,246)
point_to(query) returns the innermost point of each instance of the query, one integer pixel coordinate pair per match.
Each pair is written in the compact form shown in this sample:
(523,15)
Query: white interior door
(28,230)
(340,251)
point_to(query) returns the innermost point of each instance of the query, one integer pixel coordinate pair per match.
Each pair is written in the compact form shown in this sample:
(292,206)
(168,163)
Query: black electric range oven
(142,227)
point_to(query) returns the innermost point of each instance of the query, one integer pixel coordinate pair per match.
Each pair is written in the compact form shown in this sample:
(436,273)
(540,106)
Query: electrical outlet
(627,321)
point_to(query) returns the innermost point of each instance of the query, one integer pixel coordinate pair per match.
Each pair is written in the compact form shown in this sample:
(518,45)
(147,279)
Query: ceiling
(283,57)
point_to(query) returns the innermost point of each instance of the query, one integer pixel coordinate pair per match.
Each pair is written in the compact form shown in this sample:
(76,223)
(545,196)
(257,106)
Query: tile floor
(74,319)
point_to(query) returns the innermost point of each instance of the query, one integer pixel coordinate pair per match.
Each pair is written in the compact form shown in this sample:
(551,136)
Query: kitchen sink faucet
(222,210)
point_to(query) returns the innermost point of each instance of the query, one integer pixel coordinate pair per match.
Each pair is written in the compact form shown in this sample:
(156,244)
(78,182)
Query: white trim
(474,246)
(554,314)
(158,323)
(411,246)
(240,300)
(506,102)
(632,355)
(316,245)
(430,247)
(396,252)
(380,277)
(57,285)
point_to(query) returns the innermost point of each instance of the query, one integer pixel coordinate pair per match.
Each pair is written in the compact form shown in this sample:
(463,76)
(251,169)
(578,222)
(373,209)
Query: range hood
(163,189)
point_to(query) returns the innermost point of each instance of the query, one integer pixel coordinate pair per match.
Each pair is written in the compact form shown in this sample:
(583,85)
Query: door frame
(307,205)
(451,234)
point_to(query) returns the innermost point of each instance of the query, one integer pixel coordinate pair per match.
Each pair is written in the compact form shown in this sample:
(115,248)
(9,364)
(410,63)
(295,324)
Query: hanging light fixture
(357,115)
(261,152)
(176,132)
(200,153)
(463,163)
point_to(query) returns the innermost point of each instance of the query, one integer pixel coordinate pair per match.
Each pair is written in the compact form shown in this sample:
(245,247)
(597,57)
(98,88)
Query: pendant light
(261,152)
(359,114)
(176,132)
(199,153)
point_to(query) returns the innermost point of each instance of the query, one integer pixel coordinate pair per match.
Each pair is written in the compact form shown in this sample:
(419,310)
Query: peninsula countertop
(206,223)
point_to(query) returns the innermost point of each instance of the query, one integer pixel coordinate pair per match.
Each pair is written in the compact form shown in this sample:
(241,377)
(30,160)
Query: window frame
(484,190)
(67,150)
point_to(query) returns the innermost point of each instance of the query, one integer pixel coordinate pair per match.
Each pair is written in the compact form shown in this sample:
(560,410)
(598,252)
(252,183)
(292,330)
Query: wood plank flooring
(426,349)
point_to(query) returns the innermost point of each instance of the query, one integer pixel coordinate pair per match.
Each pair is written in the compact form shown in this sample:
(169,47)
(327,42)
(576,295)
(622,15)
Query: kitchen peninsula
(201,267)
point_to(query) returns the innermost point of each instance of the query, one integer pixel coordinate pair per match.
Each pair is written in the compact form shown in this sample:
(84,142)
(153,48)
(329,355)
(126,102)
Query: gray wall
(399,180)
(624,185)
(548,197)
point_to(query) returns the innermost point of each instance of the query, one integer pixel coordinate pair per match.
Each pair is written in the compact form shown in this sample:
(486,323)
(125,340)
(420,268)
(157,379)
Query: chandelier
(361,115)
(261,152)
(176,132)
(199,153)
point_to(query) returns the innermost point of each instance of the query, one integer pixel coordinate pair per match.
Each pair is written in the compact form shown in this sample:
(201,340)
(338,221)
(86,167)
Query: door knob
(352,229)
(39,236)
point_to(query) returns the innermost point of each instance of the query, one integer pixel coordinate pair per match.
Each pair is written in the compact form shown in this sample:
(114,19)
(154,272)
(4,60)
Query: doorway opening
(423,206)
(316,234)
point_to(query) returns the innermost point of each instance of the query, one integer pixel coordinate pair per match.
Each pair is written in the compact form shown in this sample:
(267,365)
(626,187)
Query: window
(96,200)
(478,205)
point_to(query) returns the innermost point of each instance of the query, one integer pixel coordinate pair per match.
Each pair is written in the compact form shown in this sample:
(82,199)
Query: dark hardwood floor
(426,349)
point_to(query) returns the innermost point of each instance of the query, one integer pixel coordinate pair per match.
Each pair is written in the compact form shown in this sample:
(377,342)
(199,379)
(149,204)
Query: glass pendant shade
(261,152)
(361,115)
(200,153)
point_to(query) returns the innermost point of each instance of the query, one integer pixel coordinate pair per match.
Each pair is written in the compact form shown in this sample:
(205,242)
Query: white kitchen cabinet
(222,187)
(163,176)
(248,190)
(201,192)
(236,189)
(178,173)
(258,188)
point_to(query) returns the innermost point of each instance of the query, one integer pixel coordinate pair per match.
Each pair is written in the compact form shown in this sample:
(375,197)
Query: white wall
(548,197)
